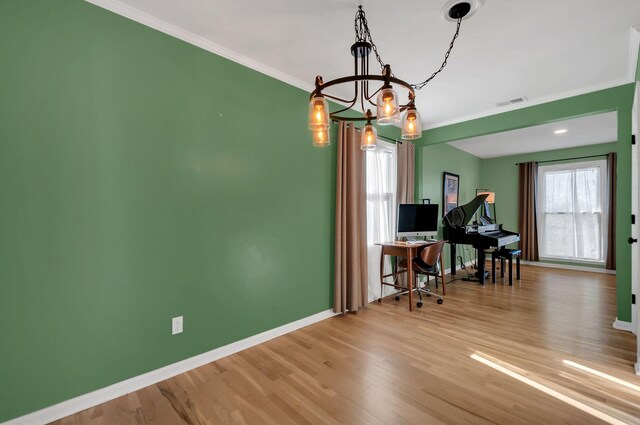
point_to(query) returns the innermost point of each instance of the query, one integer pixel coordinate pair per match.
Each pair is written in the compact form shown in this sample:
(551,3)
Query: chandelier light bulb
(388,111)
(369,138)
(321,137)
(411,124)
(318,113)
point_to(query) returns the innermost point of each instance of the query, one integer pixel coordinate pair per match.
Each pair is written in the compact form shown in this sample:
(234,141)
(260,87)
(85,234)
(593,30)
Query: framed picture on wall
(450,191)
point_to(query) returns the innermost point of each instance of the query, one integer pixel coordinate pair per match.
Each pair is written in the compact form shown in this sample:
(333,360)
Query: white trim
(638,367)
(600,211)
(458,269)
(85,401)
(634,46)
(567,267)
(528,103)
(123,9)
(158,24)
(635,229)
(635,209)
(622,326)
(575,261)
(447,272)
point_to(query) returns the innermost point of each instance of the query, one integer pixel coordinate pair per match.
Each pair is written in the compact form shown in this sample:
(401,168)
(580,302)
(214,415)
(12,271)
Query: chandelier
(384,99)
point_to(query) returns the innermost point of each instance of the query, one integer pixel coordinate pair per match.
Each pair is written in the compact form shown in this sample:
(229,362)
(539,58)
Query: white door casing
(635,208)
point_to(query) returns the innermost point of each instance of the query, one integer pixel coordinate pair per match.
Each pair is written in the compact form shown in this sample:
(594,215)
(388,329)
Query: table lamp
(491,200)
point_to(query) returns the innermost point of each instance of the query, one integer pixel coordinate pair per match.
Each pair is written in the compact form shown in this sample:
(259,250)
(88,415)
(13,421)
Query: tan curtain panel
(351,280)
(612,182)
(527,224)
(406,172)
(406,164)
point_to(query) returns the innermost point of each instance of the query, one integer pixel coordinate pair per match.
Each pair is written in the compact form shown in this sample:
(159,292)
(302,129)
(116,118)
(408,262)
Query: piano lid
(462,215)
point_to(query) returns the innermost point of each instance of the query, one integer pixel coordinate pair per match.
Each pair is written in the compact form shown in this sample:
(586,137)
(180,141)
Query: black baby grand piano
(482,234)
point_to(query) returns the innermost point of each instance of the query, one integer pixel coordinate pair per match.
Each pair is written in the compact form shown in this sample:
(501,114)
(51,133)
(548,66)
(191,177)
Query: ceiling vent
(513,101)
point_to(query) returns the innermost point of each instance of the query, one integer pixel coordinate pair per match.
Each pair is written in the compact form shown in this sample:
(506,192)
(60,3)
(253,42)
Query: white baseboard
(85,401)
(467,264)
(566,267)
(622,326)
(638,367)
(447,272)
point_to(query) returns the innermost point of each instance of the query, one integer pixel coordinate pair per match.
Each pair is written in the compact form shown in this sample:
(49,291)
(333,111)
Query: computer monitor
(417,220)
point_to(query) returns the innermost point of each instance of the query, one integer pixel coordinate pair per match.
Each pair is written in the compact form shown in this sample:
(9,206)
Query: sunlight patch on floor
(602,375)
(543,388)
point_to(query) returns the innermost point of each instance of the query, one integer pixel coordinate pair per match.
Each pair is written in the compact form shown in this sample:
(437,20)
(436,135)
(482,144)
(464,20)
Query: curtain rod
(568,159)
(379,136)
(389,139)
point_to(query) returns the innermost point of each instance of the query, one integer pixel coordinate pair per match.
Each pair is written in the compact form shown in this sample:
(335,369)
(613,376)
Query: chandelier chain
(419,86)
(363,34)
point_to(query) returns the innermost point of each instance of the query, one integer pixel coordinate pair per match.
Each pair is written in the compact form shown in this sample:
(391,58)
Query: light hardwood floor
(385,365)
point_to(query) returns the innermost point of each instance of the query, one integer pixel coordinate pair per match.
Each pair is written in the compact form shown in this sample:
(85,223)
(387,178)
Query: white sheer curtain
(572,211)
(381,208)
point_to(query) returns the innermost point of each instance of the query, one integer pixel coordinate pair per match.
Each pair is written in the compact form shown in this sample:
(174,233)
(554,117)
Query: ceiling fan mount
(459,10)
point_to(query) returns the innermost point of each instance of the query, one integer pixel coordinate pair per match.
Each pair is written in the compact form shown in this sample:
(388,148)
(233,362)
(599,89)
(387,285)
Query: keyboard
(420,242)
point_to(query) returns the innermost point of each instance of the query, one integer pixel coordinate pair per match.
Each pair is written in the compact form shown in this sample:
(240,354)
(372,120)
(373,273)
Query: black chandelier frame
(361,50)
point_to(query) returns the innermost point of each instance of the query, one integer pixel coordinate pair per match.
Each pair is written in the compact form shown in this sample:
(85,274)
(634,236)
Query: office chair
(427,263)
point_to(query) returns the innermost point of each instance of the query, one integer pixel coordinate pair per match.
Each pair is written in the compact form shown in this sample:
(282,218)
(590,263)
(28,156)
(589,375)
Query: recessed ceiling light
(560,131)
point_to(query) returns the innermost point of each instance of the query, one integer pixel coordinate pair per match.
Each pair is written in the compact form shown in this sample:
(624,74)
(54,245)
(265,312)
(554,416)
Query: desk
(408,251)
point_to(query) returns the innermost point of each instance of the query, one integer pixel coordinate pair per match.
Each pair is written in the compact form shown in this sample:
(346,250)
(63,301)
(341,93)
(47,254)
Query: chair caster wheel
(397,297)
(419,304)
(379,300)
(440,300)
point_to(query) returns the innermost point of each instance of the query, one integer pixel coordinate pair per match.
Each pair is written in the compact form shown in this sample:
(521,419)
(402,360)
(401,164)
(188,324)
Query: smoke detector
(456,9)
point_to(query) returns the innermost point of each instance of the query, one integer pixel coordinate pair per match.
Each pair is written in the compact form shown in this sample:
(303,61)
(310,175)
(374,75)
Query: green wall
(143,178)
(432,161)
(500,175)
(619,99)
(638,67)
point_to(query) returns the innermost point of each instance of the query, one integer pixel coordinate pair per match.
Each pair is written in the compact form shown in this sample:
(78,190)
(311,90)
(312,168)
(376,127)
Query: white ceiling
(591,130)
(541,49)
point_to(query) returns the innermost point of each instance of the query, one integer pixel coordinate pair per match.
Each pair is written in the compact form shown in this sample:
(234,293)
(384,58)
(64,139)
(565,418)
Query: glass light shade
(318,113)
(387,110)
(321,137)
(368,138)
(411,125)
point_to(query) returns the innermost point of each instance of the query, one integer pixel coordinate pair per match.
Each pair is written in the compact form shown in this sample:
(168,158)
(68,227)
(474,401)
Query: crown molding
(528,103)
(158,24)
(120,8)
(634,48)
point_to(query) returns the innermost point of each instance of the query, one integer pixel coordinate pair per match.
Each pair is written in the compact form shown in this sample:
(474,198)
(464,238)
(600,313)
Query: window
(381,208)
(571,209)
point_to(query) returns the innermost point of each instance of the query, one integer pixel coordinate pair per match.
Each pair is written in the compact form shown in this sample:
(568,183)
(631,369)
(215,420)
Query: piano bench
(505,254)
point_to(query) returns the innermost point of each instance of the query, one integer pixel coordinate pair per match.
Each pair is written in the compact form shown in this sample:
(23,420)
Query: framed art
(450,191)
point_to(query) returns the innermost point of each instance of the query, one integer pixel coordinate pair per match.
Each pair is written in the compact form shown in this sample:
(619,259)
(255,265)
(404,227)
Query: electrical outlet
(176,325)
